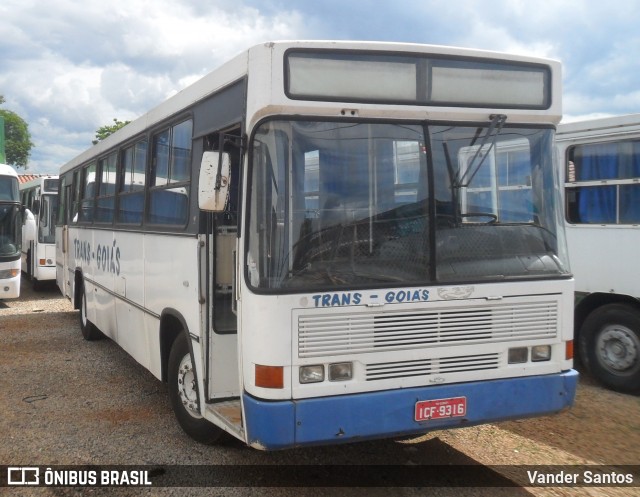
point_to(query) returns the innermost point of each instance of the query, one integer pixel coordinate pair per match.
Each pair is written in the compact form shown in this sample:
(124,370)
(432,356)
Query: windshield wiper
(497,121)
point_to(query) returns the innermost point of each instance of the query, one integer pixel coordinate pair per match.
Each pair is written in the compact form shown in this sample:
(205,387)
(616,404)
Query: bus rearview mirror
(213,186)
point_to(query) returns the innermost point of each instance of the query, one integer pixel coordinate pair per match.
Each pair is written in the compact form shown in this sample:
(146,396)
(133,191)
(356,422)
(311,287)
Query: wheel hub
(187,386)
(618,348)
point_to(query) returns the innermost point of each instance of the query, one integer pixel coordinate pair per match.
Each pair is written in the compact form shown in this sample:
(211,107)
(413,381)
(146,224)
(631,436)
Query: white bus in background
(39,196)
(10,233)
(601,162)
(317,243)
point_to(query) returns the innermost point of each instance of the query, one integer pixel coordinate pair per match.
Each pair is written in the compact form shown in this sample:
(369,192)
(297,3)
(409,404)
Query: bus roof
(7,170)
(600,126)
(34,180)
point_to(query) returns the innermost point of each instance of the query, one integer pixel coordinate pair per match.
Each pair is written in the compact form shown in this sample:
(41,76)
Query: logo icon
(23,475)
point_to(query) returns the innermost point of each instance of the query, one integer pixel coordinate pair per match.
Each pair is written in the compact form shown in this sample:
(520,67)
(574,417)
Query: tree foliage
(107,130)
(17,138)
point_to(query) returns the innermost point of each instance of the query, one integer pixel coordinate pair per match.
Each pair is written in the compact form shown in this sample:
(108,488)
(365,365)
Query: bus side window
(615,199)
(75,198)
(88,192)
(133,165)
(169,187)
(106,189)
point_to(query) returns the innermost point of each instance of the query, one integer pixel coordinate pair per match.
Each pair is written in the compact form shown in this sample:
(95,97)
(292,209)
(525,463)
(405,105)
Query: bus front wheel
(183,394)
(610,346)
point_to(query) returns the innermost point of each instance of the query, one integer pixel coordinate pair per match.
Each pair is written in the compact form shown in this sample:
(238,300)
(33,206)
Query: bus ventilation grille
(428,367)
(332,334)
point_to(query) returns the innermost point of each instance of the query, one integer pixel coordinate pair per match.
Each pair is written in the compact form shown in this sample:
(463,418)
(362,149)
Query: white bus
(10,233)
(309,244)
(601,160)
(39,197)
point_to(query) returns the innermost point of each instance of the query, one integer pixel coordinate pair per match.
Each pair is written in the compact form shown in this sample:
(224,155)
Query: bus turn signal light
(569,350)
(269,376)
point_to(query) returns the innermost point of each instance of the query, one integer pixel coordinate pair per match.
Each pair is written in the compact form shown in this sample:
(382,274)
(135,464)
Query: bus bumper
(46,273)
(275,425)
(10,288)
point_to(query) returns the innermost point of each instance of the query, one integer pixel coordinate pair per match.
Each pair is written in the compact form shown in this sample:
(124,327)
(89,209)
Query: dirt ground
(603,427)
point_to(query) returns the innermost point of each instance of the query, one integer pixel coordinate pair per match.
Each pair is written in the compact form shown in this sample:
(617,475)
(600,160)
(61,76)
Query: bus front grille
(435,325)
(429,367)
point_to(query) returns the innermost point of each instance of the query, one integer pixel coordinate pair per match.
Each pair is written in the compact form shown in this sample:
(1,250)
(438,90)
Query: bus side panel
(133,334)
(81,255)
(28,240)
(171,276)
(170,283)
(61,260)
(103,262)
(615,247)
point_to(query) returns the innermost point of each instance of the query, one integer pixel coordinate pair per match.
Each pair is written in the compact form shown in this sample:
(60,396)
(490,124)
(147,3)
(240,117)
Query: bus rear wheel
(88,329)
(610,346)
(183,394)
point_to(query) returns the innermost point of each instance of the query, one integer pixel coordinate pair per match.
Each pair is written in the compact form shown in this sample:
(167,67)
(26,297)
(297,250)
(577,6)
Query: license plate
(441,408)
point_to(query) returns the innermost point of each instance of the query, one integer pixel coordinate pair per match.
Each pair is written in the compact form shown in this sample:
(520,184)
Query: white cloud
(83,64)
(130,93)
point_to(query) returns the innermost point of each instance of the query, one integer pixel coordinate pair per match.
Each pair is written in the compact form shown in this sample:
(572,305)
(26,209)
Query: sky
(68,67)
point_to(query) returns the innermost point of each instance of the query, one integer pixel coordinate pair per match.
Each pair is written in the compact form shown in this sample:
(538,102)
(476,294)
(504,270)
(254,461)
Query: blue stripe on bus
(349,418)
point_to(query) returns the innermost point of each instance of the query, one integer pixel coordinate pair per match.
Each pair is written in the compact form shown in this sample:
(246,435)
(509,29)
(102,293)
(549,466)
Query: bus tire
(609,344)
(88,329)
(183,394)
(36,284)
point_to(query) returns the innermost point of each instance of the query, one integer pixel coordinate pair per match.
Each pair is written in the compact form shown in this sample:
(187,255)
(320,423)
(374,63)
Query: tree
(105,131)
(17,138)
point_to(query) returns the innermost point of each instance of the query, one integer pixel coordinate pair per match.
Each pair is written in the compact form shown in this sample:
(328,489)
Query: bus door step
(229,413)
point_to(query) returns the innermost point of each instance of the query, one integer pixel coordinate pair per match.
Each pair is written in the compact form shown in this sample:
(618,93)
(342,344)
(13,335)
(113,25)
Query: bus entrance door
(223,371)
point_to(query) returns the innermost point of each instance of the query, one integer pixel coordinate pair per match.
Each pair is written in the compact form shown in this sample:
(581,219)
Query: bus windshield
(353,204)
(9,189)
(10,230)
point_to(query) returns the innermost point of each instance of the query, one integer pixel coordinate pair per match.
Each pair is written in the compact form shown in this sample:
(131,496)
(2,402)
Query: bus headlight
(311,374)
(341,371)
(541,353)
(9,273)
(518,355)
